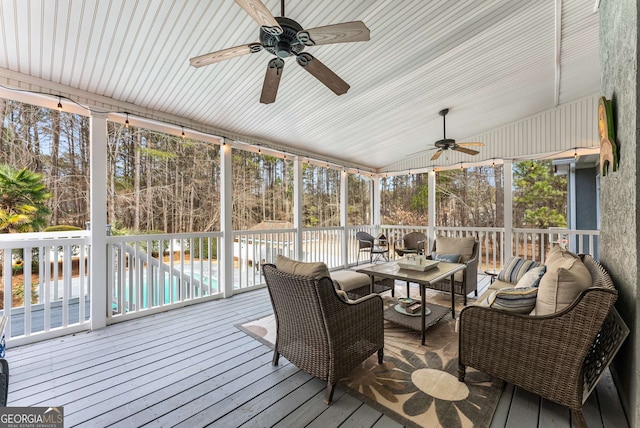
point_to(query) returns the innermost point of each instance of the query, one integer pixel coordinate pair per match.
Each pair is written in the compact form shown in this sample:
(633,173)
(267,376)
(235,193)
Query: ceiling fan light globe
(283,49)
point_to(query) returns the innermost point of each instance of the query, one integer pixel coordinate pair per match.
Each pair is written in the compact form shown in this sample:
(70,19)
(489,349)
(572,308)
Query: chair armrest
(545,354)
(362,317)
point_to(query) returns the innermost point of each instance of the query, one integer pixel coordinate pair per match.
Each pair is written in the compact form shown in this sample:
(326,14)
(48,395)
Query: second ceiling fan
(284,37)
(449,144)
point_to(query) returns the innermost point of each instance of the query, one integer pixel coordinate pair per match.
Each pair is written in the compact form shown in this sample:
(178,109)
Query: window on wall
(359,200)
(161,183)
(321,196)
(262,191)
(404,200)
(470,197)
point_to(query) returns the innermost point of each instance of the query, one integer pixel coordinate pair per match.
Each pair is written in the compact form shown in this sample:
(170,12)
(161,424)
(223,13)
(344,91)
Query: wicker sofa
(559,356)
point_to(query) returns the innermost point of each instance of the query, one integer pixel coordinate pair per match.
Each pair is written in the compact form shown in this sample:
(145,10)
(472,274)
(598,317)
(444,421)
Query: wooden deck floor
(191,367)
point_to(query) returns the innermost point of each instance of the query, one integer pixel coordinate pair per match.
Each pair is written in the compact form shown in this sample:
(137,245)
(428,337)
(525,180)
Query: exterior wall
(586,194)
(619,190)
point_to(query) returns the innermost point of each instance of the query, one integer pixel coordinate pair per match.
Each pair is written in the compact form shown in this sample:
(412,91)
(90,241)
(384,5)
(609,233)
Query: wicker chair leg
(276,357)
(462,371)
(328,396)
(577,419)
(4,382)
(380,355)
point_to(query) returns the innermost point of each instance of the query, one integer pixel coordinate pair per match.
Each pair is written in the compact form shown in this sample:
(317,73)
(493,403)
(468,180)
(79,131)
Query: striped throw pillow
(518,300)
(515,268)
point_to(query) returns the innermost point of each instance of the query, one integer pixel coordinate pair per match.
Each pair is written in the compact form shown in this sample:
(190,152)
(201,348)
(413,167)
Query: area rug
(416,385)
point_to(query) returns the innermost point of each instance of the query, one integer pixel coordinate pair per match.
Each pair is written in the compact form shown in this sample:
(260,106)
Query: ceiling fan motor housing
(445,144)
(286,44)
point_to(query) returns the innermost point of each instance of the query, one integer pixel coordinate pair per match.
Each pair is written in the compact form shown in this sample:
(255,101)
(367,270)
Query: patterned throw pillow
(518,300)
(532,277)
(447,258)
(515,268)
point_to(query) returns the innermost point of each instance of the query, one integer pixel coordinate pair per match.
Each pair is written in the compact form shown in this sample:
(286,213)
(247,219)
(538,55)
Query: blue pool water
(171,291)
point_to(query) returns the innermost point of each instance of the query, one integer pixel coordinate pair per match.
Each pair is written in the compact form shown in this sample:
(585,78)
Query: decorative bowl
(405,301)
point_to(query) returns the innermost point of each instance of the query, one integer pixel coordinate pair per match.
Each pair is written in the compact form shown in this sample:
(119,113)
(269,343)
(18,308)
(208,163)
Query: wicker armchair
(560,356)
(319,332)
(366,244)
(411,243)
(466,281)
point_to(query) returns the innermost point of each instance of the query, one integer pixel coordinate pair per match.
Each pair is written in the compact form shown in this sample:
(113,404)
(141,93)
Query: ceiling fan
(284,37)
(449,144)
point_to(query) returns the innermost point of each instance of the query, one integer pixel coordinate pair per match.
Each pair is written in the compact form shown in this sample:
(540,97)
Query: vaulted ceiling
(492,62)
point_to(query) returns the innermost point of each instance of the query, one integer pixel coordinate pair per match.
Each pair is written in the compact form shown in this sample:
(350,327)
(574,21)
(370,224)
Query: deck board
(553,415)
(192,367)
(608,399)
(524,410)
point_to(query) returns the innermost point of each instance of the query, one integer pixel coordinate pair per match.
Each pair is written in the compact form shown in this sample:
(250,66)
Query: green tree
(22,200)
(540,196)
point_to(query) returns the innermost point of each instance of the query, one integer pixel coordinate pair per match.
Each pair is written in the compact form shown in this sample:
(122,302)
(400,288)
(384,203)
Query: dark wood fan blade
(346,32)
(467,151)
(225,54)
(437,154)
(321,72)
(272,81)
(259,12)
(474,144)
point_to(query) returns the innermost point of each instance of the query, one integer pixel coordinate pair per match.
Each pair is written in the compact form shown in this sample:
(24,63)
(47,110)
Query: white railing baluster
(67,293)
(26,270)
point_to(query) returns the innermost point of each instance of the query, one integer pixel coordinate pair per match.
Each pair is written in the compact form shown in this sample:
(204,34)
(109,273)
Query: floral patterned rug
(416,385)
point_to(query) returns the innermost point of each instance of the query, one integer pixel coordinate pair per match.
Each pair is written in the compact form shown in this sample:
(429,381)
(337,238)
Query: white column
(375,198)
(507,169)
(98,216)
(344,219)
(226,225)
(431,208)
(572,197)
(298,202)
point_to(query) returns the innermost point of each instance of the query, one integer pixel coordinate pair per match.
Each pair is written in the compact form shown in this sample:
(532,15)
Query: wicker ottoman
(357,285)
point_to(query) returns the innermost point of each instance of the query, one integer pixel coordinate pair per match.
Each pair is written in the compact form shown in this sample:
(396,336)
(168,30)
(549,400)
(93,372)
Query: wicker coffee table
(424,279)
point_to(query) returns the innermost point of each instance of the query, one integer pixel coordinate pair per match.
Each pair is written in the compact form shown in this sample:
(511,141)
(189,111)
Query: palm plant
(22,200)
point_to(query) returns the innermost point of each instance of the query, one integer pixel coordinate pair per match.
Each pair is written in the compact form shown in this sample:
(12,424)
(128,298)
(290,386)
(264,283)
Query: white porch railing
(45,281)
(253,248)
(323,245)
(535,243)
(148,273)
(151,273)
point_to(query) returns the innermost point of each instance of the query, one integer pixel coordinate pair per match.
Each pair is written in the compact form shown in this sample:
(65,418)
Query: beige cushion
(313,270)
(462,246)
(349,280)
(497,285)
(565,278)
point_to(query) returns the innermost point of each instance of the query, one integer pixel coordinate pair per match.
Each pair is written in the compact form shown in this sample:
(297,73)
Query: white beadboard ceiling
(492,62)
